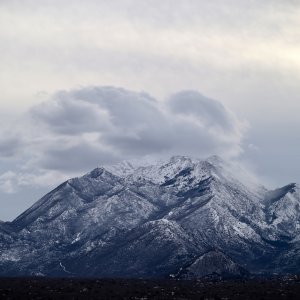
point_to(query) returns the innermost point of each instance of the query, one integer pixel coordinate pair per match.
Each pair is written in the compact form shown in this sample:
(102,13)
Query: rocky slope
(156,219)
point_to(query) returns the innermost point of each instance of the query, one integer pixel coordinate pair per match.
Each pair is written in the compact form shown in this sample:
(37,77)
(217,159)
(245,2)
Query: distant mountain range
(180,218)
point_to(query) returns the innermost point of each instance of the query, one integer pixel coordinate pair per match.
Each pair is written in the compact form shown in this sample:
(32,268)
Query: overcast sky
(86,83)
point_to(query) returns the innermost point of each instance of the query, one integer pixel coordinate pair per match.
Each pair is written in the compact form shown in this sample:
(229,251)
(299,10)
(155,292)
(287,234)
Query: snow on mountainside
(284,210)
(154,219)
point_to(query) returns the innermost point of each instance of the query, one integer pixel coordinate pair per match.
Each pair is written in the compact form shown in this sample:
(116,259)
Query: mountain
(5,232)
(213,263)
(181,217)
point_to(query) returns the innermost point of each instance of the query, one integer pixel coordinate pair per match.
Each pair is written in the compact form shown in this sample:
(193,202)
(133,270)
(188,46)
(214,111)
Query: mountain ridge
(131,220)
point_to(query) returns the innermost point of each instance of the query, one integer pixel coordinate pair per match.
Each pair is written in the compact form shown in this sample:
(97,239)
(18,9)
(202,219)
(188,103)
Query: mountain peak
(277,194)
(215,160)
(180,159)
(97,172)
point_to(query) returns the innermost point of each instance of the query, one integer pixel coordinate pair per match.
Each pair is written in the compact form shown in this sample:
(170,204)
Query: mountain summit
(182,217)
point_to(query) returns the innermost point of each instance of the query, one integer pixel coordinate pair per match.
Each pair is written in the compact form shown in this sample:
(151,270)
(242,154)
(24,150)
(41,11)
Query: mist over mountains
(179,218)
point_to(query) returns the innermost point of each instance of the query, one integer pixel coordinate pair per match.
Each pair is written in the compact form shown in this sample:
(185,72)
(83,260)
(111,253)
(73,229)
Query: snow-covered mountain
(181,217)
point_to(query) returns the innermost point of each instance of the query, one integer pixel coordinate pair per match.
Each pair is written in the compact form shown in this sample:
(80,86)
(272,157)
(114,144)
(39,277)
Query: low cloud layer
(75,131)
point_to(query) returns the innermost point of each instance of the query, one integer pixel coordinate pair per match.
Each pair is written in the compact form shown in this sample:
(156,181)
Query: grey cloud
(9,146)
(193,140)
(68,116)
(147,141)
(96,125)
(208,111)
(77,158)
(77,130)
(126,108)
(138,126)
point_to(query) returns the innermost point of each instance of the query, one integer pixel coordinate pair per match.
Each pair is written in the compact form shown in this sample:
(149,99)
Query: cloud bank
(77,130)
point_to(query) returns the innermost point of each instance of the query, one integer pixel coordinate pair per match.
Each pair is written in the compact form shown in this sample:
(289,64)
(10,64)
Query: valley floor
(41,288)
